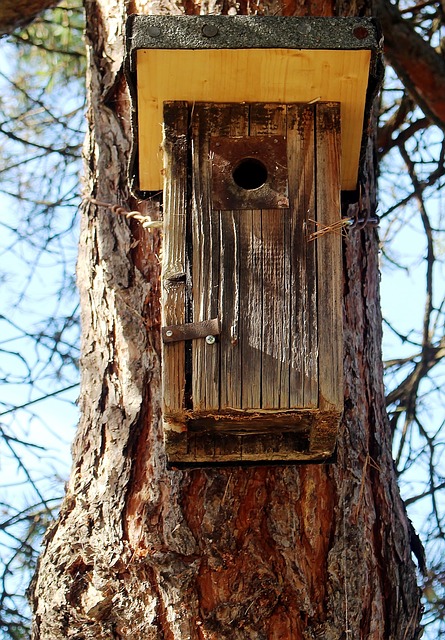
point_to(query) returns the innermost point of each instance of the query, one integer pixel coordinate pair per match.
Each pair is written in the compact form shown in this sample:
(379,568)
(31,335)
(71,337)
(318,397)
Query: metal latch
(191,330)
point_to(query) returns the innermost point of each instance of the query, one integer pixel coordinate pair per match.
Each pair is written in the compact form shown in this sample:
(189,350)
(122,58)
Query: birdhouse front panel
(252,316)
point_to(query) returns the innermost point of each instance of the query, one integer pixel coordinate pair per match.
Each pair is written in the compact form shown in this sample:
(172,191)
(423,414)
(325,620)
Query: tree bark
(420,67)
(15,14)
(270,552)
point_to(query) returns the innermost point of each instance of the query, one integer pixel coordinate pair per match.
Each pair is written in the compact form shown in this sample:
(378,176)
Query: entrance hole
(250,174)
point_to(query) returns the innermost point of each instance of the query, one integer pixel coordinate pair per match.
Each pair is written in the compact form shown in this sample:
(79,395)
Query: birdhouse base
(252,437)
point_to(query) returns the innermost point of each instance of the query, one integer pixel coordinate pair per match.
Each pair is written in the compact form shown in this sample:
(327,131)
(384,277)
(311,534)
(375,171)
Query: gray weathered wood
(303,285)
(330,316)
(256,271)
(231,267)
(274,284)
(205,273)
(173,280)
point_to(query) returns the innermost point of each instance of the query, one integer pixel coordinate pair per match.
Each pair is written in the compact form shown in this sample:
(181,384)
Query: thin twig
(335,227)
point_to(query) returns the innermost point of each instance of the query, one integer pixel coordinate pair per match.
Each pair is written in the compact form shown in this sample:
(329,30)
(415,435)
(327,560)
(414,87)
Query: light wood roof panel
(249,75)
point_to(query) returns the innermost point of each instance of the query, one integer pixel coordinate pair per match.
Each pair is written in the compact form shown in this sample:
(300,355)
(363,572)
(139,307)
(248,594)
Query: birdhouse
(251,126)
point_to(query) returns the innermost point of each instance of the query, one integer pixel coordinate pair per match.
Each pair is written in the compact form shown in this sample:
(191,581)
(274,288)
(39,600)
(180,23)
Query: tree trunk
(276,552)
(16,14)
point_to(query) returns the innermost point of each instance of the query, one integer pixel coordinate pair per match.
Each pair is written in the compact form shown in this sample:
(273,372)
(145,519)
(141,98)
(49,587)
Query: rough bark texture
(141,551)
(16,14)
(418,65)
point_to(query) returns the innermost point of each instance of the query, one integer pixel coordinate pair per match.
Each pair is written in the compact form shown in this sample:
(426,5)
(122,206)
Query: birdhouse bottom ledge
(250,436)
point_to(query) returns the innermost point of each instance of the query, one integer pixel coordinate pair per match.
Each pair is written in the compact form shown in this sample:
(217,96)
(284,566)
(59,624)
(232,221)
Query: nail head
(304,28)
(361,33)
(154,32)
(210,30)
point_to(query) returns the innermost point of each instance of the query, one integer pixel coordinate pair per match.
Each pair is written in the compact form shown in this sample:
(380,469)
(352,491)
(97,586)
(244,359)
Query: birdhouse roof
(252,59)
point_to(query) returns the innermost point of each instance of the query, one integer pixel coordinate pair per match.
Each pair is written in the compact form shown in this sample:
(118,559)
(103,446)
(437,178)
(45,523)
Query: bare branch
(417,64)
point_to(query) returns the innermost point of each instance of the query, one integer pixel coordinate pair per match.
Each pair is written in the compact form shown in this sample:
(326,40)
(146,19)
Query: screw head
(210,30)
(304,28)
(154,32)
(210,339)
(361,33)
(169,333)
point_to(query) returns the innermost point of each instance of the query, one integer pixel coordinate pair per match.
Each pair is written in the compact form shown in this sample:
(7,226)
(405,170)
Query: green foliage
(53,44)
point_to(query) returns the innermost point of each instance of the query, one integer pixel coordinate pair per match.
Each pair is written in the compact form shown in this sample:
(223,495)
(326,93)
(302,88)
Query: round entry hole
(250,174)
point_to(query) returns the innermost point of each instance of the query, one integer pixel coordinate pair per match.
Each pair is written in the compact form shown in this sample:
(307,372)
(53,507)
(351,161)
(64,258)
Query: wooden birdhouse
(251,126)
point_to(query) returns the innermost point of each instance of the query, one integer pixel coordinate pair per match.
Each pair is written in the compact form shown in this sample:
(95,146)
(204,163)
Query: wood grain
(303,274)
(276,295)
(231,267)
(329,260)
(173,279)
(205,256)
(249,75)
(274,283)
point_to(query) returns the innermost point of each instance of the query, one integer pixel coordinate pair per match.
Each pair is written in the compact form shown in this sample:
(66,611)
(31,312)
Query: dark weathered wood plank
(228,447)
(329,260)
(251,307)
(205,273)
(260,446)
(174,257)
(176,443)
(275,226)
(231,266)
(254,421)
(303,341)
(231,371)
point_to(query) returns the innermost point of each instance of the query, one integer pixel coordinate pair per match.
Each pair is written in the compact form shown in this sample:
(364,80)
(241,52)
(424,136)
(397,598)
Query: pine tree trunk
(16,14)
(141,551)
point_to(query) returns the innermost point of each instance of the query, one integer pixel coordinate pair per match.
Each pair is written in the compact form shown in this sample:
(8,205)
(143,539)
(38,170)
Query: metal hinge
(191,330)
